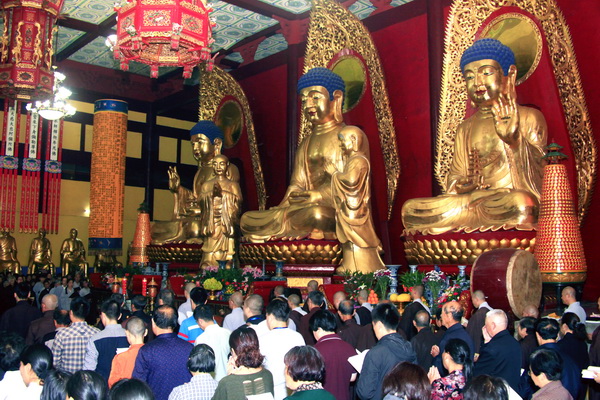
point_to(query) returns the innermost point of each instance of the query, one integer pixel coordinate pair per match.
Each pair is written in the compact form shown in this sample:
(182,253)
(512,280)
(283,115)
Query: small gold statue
(207,140)
(495,177)
(40,253)
(221,205)
(72,254)
(8,253)
(351,191)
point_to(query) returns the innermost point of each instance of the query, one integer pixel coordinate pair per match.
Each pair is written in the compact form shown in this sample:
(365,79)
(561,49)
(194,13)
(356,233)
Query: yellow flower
(212,284)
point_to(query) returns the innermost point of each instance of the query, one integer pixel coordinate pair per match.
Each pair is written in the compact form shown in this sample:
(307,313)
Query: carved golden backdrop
(555,87)
(335,34)
(222,100)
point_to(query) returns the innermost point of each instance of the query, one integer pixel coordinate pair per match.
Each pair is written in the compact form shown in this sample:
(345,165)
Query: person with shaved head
(424,339)
(500,355)
(235,319)
(406,322)
(123,363)
(42,326)
(478,318)
(569,298)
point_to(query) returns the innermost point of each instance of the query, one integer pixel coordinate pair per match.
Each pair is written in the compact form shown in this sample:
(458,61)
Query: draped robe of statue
(220,217)
(72,254)
(8,253)
(514,175)
(314,220)
(351,190)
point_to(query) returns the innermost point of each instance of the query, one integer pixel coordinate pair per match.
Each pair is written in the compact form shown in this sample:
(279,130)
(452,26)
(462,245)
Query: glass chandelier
(56,107)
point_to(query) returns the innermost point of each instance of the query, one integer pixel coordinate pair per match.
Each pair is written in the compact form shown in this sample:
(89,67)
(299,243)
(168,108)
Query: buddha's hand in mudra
(505,111)
(174,179)
(466,185)
(305,197)
(330,168)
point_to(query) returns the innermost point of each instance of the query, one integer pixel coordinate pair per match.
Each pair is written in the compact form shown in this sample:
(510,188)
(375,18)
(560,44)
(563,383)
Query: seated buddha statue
(8,253)
(307,209)
(207,141)
(72,254)
(221,204)
(40,253)
(496,171)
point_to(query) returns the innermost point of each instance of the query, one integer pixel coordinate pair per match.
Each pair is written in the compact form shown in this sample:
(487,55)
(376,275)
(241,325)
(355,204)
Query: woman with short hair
(202,386)
(304,374)
(406,381)
(545,366)
(245,374)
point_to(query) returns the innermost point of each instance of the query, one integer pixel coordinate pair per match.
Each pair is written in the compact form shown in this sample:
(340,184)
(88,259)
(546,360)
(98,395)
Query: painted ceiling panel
(67,36)
(294,6)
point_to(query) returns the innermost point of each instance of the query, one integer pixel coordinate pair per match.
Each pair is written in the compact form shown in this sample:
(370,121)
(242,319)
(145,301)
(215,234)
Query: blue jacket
(501,357)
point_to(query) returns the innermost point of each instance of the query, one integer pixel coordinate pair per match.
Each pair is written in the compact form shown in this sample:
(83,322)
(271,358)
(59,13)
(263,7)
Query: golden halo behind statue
(231,121)
(523,36)
(352,70)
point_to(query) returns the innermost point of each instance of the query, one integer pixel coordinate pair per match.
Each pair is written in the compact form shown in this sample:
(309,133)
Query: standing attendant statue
(40,253)
(495,177)
(185,226)
(8,253)
(221,205)
(72,254)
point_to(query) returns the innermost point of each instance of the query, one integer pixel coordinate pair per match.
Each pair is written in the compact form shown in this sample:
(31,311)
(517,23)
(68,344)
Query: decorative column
(559,249)
(141,237)
(107,184)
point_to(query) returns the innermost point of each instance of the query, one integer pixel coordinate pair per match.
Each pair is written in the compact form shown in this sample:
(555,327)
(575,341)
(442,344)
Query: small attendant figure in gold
(8,253)
(351,191)
(72,254)
(308,209)
(40,253)
(221,204)
(207,141)
(496,171)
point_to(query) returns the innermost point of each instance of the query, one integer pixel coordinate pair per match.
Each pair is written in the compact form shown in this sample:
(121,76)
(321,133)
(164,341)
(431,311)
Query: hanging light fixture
(174,33)
(56,107)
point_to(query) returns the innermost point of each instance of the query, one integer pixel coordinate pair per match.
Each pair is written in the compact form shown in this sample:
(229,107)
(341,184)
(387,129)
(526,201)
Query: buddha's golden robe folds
(513,173)
(351,190)
(220,217)
(315,220)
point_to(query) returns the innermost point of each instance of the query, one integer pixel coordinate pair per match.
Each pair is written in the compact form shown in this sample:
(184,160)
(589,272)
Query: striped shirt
(201,387)
(70,345)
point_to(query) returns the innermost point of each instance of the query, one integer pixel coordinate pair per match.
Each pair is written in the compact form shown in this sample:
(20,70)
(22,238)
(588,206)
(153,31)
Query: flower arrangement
(382,279)
(435,282)
(449,294)
(252,273)
(411,279)
(356,281)
(212,284)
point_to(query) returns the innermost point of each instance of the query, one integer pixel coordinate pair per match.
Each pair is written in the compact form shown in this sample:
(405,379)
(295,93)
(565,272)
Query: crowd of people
(55,346)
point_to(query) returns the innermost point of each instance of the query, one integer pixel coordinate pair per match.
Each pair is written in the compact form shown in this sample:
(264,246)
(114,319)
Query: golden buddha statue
(72,254)
(351,192)
(40,253)
(8,253)
(207,141)
(496,171)
(221,205)
(308,209)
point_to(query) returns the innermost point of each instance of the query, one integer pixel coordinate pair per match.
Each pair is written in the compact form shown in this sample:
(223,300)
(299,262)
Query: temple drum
(510,279)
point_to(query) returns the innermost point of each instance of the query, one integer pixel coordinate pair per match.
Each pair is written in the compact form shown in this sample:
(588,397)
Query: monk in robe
(72,253)
(351,191)
(495,176)
(207,141)
(307,209)
(221,204)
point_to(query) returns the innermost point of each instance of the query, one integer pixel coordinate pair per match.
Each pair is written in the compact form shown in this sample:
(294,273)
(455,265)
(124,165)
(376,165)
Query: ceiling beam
(262,8)
(102,29)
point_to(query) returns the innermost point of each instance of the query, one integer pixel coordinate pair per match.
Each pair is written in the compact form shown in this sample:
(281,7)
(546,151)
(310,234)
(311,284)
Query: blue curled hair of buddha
(322,77)
(488,49)
(208,129)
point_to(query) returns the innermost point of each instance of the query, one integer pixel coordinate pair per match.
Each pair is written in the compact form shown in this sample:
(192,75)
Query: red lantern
(159,33)
(26,48)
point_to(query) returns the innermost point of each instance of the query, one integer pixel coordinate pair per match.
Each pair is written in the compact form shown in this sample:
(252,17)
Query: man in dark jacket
(350,331)
(424,340)
(389,351)
(500,354)
(45,325)
(451,314)
(18,318)
(408,316)
(477,320)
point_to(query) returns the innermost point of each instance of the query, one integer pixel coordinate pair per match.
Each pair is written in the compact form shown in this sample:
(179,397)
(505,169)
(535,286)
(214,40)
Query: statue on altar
(185,226)
(72,254)
(8,253)
(40,253)
(221,205)
(308,209)
(351,192)
(495,177)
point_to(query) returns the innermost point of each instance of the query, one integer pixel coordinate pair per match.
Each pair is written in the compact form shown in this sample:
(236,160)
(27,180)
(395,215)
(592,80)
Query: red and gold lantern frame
(26,48)
(164,33)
